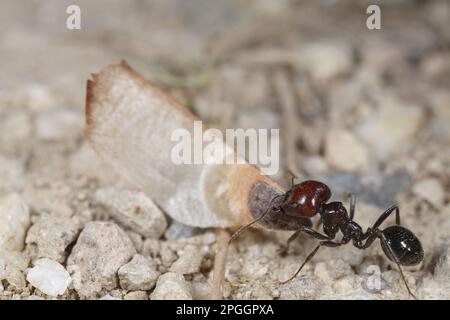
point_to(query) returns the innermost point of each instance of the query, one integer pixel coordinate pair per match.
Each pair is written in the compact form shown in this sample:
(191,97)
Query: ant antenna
(243,228)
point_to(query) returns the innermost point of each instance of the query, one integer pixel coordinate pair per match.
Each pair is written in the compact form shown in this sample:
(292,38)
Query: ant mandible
(309,198)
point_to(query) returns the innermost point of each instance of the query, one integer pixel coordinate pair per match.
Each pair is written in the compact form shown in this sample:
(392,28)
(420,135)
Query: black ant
(309,198)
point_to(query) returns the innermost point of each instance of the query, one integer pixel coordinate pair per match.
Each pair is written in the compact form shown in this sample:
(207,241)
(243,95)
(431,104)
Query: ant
(309,198)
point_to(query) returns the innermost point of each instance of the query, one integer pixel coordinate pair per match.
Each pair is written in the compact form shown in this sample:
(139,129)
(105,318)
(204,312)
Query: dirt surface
(371,115)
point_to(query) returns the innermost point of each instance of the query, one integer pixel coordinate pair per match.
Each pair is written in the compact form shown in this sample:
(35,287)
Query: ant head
(305,199)
(334,213)
(404,244)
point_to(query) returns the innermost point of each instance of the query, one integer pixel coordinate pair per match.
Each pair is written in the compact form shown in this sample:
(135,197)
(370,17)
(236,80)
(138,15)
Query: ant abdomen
(405,245)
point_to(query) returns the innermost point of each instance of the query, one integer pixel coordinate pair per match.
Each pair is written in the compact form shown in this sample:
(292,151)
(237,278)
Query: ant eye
(404,244)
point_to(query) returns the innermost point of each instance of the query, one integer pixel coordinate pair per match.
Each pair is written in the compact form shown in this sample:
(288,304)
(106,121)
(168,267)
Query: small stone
(326,60)
(171,286)
(189,261)
(431,190)
(50,236)
(392,127)
(136,295)
(102,248)
(49,276)
(59,125)
(15,220)
(345,152)
(138,274)
(332,270)
(133,210)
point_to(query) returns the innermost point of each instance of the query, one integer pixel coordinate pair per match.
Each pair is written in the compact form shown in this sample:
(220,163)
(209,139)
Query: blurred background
(364,110)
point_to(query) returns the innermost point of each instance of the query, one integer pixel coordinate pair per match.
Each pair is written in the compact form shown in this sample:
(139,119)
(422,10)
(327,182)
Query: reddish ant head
(305,199)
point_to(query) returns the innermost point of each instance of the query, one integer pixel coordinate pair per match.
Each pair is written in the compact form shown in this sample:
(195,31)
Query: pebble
(172,286)
(59,125)
(136,295)
(15,220)
(50,236)
(326,60)
(344,151)
(49,276)
(138,274)
(431,190)
(102,248)
(189,260)
(133,210)
(392,127)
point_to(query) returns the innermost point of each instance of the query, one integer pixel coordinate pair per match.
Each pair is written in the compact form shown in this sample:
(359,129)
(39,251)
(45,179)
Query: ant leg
(326,243)
(386,214)
(352,204)
(309,231)
(392,254)
(284,249)
(243,228)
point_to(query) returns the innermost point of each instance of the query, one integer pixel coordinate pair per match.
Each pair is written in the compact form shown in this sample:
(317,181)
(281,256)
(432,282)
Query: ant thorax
(334,213)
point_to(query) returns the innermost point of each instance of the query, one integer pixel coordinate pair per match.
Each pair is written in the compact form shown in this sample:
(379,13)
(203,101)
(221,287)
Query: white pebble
(49,276)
